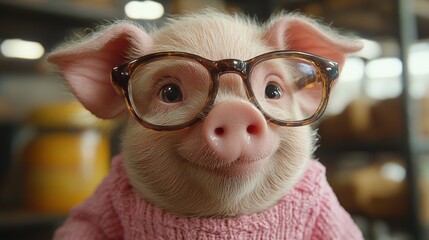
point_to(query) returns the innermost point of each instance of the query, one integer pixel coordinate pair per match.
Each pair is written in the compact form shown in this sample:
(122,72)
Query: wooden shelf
(23,225)
(68,9)
(21,218)
(370,146)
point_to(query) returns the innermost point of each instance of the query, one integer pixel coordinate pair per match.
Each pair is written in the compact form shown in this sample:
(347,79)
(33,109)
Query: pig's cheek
(296,148)
(146,150)
(193,148)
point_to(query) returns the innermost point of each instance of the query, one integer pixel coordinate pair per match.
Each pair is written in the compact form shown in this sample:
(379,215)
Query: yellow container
(66,157)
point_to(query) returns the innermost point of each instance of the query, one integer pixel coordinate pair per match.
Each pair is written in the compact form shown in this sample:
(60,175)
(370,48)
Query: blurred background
(374,135)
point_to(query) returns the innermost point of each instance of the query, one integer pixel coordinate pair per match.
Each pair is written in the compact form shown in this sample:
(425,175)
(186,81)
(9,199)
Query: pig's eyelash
(281,81)
(160,82)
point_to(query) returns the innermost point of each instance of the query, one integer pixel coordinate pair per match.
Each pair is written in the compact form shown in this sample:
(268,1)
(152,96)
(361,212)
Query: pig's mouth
(241,167)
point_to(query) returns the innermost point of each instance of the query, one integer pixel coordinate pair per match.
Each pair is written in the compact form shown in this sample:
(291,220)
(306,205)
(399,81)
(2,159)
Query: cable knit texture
(309,211)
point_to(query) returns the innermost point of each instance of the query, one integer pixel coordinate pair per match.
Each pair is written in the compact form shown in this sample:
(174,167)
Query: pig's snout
(238,130)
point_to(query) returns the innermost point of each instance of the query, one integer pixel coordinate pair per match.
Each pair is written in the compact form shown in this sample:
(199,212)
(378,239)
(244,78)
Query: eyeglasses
(174,90)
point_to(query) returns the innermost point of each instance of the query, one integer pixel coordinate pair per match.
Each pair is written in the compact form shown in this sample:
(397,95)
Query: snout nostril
(252,129)
(219,131)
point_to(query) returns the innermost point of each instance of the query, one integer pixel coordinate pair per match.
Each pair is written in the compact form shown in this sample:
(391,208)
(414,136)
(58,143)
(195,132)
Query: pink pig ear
(86,65)
(300,33)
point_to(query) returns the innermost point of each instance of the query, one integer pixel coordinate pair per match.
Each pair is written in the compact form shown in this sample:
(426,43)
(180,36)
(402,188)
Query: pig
(231,174)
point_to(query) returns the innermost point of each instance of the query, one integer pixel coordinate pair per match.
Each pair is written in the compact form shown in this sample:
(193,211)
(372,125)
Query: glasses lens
(288,88)
(169,91)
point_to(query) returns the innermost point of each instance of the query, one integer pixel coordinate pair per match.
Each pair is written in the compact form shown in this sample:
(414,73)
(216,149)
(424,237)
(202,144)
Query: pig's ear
(86,65)
(296,32)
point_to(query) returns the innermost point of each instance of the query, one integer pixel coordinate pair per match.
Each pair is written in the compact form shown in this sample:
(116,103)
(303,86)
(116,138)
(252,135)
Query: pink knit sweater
(309,211)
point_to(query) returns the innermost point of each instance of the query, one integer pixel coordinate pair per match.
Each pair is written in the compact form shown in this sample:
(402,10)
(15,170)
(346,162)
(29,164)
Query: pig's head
(233,161)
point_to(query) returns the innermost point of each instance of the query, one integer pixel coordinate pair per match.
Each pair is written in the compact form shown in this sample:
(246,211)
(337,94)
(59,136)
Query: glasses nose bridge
(235,67)
(232,66)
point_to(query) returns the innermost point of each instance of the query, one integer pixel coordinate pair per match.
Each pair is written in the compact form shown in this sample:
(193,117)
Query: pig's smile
(242,167)
(239,168)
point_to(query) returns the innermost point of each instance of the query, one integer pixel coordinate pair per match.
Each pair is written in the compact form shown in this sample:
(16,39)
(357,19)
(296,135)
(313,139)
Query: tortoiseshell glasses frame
(328,71)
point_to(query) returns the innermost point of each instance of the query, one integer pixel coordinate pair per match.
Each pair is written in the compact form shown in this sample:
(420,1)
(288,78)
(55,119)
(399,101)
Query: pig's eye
(272,91)
(171,93)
